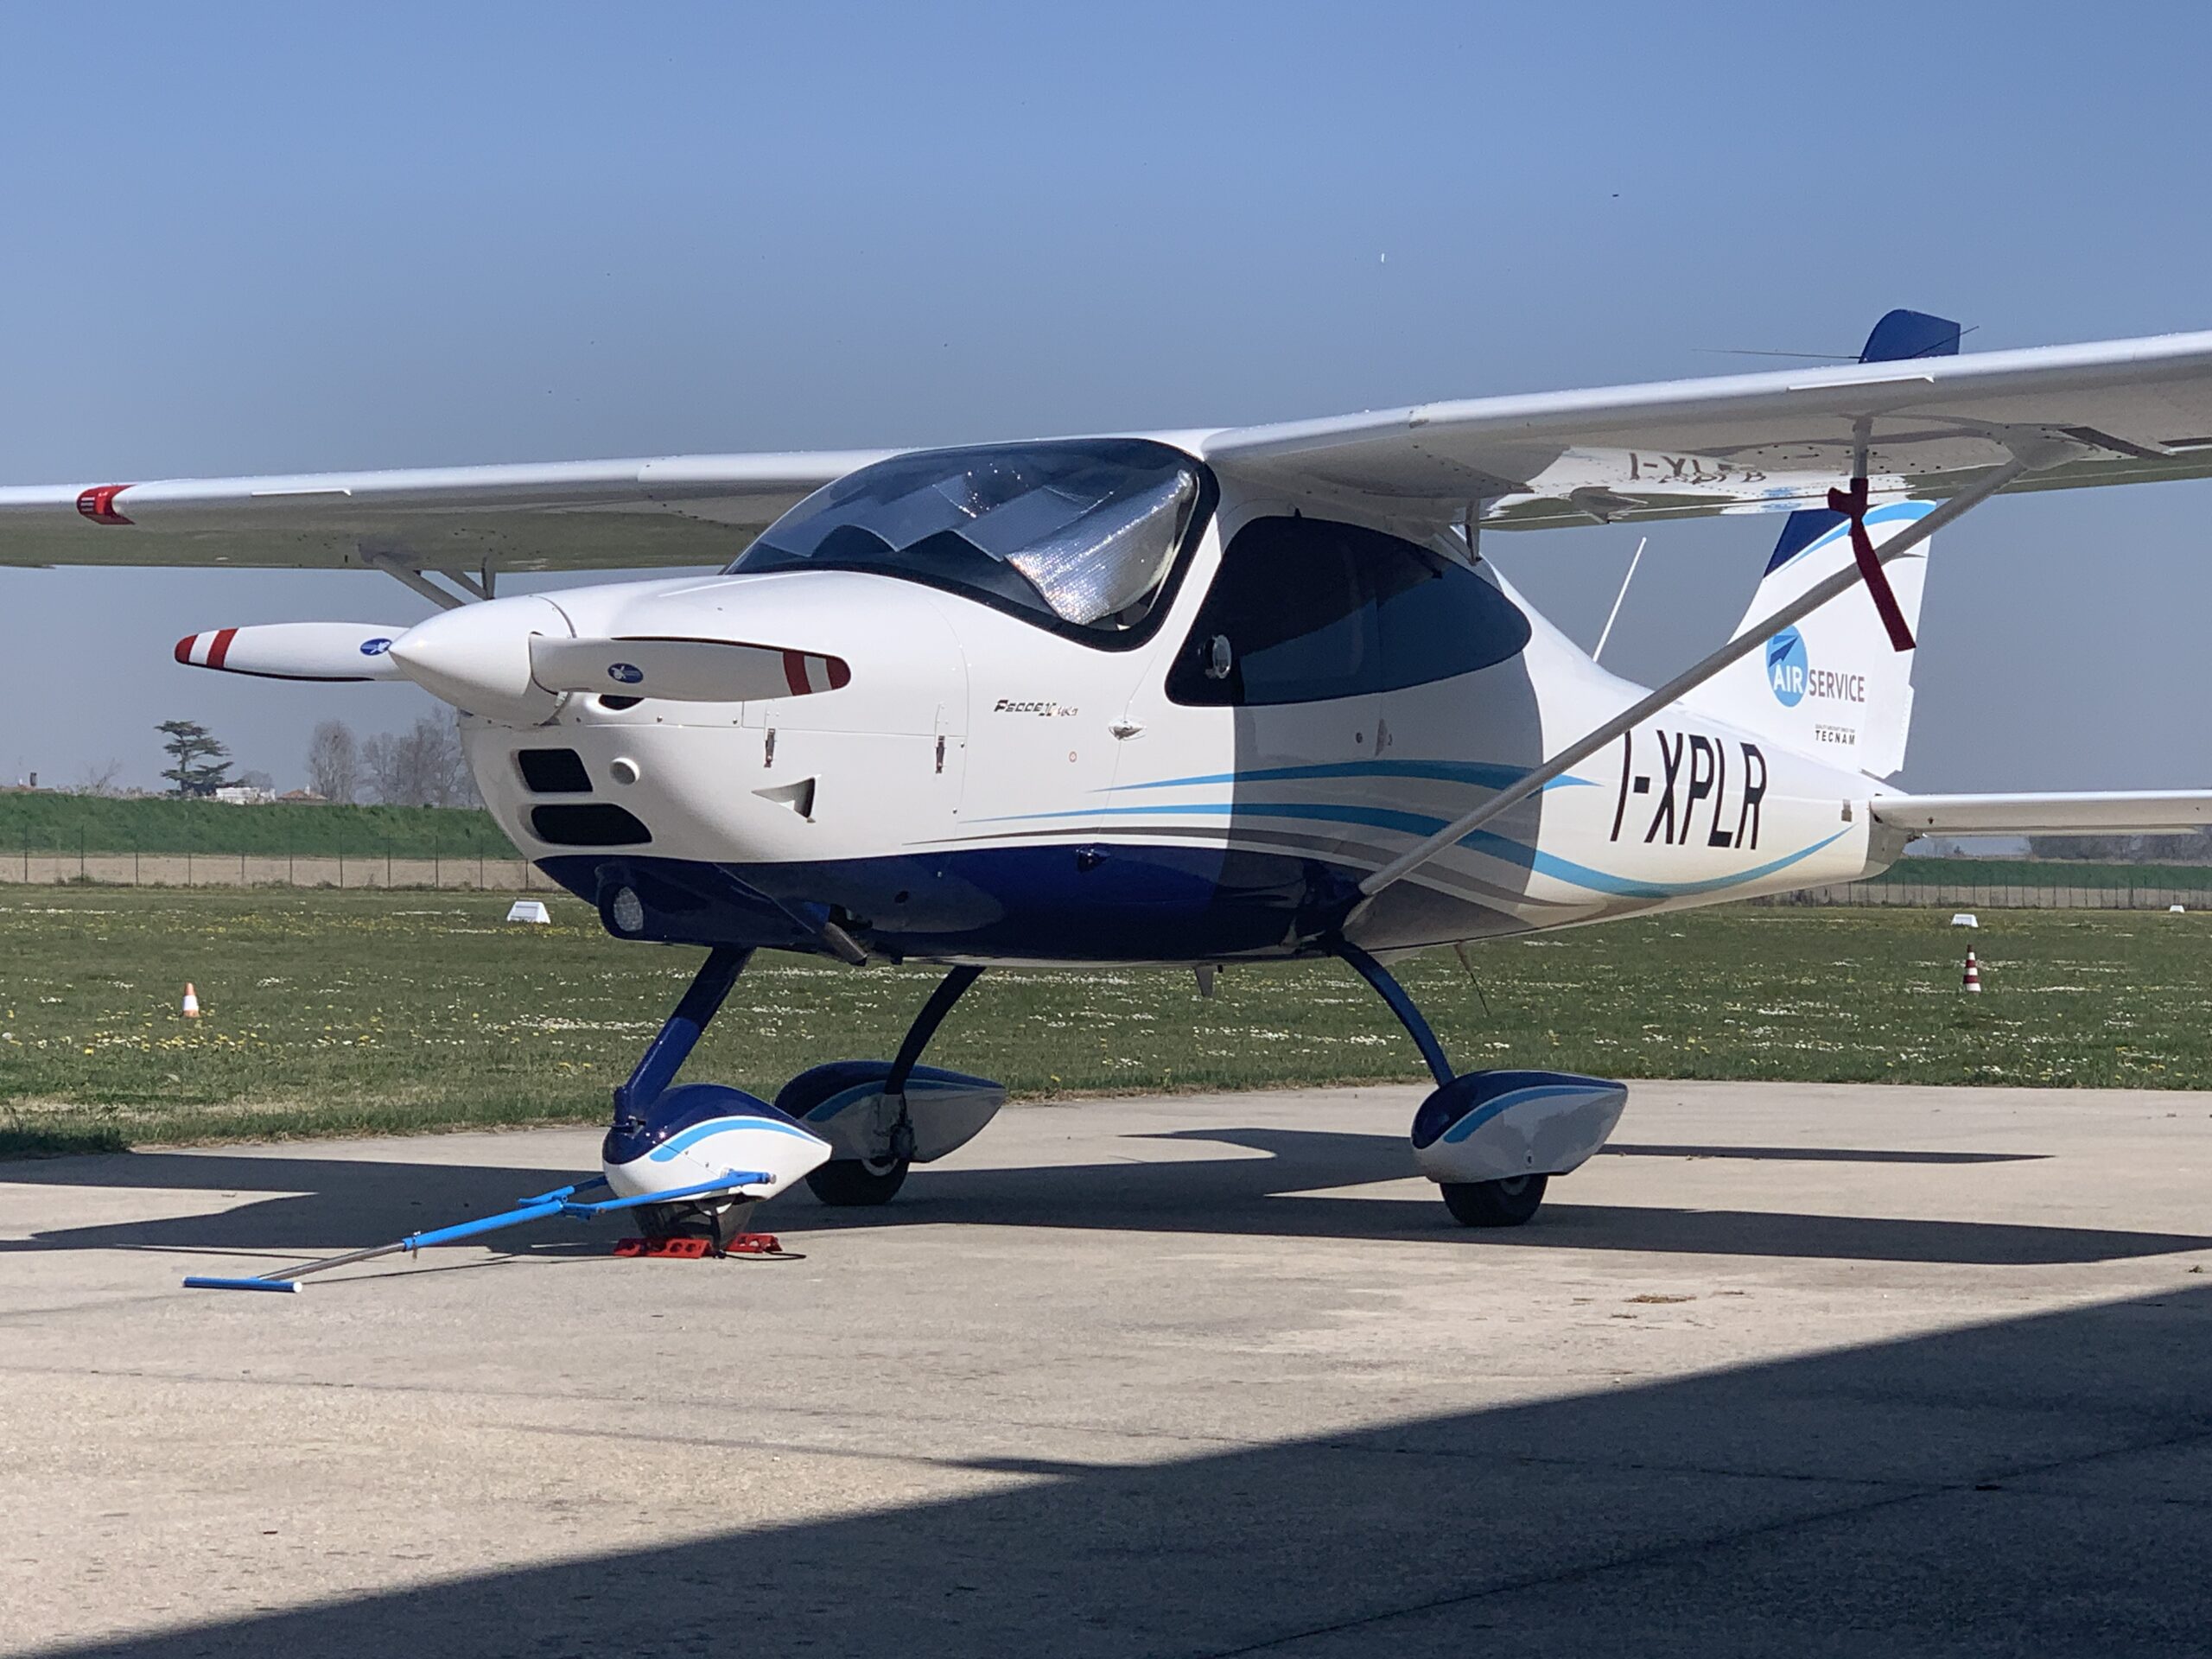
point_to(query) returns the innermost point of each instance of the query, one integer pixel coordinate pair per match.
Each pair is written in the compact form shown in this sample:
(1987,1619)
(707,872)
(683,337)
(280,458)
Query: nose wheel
(715,1220)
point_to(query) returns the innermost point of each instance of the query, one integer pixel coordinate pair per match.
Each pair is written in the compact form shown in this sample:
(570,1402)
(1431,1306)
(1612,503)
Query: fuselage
(1208,782)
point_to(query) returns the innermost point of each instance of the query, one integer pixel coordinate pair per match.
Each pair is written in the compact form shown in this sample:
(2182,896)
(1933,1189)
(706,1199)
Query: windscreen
(1082,534)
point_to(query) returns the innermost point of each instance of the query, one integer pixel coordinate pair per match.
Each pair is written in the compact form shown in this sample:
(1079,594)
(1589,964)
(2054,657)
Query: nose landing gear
(679,1140)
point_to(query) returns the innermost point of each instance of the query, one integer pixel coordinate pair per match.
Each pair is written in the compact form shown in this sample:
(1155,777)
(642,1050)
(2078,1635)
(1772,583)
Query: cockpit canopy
(1082,535)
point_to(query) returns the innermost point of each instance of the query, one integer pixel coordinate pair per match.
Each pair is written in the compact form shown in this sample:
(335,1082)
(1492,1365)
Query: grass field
(355,1011)
(41,821)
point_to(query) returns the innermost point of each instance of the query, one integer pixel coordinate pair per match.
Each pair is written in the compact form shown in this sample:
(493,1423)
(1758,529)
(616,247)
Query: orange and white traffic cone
(192,1001)
(1974,976)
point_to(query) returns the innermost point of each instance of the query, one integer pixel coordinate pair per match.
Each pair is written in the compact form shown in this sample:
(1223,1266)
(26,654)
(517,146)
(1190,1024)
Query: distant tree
(201,765)
(422,767)
(101,780)
(382,769)
(2191,847)
(446,763)
(333,761)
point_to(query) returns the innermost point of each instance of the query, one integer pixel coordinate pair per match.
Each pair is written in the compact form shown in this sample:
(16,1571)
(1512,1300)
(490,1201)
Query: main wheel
(1491,1204)
(848,1181)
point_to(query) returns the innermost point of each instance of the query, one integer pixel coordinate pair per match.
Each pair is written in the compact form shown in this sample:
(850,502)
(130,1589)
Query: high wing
(587,515)
(2123,411)
(2115,412)
(2098,812)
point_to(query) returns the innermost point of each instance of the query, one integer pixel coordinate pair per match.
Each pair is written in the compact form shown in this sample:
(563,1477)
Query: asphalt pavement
(1813,1370)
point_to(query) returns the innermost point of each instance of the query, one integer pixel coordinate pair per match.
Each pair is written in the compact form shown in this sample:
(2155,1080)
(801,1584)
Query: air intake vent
(553,771)
(599,824)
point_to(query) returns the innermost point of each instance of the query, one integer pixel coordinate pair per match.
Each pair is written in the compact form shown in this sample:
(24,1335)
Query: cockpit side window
(1087,537)
(1304,609)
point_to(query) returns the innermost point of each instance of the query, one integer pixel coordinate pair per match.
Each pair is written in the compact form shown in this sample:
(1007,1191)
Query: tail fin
(1832,684)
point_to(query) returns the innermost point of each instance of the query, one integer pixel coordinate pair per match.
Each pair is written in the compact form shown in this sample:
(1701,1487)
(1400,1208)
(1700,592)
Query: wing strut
(1614,615)
(1743,645)
(408,576)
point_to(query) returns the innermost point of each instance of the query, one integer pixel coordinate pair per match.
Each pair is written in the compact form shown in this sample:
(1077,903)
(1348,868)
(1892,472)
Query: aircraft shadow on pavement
(331,1204)
(2031,1486)
(1824,1154)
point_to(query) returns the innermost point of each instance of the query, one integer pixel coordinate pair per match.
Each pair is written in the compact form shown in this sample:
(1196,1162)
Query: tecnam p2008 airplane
(1202,697)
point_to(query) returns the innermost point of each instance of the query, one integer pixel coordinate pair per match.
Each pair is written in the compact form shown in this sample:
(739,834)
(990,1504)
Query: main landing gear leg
(872,1180)
(1503,1201)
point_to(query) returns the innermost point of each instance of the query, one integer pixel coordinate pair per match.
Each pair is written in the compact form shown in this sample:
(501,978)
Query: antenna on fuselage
(1460,949)
(1607,632)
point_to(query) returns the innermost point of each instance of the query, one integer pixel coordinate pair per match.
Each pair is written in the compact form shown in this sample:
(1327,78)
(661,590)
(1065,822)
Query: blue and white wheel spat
(697,1134)
(1497,1126)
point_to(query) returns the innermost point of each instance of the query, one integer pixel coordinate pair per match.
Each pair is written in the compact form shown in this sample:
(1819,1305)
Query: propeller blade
(682,671)
(296,651)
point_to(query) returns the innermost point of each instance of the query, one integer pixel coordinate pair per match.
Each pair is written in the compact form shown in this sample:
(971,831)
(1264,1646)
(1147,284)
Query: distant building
(245,795)
(303,798)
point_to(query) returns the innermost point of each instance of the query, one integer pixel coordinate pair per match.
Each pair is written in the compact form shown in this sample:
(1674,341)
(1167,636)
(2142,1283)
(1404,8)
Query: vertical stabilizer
(1832,684)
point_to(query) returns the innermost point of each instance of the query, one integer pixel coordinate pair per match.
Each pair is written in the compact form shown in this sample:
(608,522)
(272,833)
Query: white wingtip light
(296,651)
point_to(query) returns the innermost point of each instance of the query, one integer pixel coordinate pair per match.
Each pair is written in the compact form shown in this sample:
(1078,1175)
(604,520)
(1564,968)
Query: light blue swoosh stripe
(698,1132)
(1482,1115)
(1582,875)
(860,1091)
(1487,773)
(1418,824)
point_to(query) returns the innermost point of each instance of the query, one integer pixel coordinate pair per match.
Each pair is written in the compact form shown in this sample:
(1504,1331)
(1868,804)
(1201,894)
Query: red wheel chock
(693,1249)
(688,1250)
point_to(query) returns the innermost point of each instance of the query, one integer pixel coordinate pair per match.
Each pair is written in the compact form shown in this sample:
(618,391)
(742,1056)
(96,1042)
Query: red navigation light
(97,504)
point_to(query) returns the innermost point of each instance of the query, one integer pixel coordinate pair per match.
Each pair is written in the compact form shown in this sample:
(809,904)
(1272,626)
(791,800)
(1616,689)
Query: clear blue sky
(245,238)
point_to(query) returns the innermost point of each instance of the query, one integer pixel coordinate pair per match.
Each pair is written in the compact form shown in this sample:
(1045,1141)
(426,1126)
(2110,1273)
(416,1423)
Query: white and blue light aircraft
(1194,698)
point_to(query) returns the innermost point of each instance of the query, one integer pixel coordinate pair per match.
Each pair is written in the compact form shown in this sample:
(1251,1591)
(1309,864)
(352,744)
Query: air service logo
(1786,667)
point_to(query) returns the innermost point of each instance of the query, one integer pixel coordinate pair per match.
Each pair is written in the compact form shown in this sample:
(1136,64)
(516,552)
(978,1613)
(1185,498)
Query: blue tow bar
(562,1201)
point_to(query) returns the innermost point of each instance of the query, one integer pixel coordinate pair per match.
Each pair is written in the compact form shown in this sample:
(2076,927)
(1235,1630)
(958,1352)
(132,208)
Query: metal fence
(2001,895)
(369,867)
